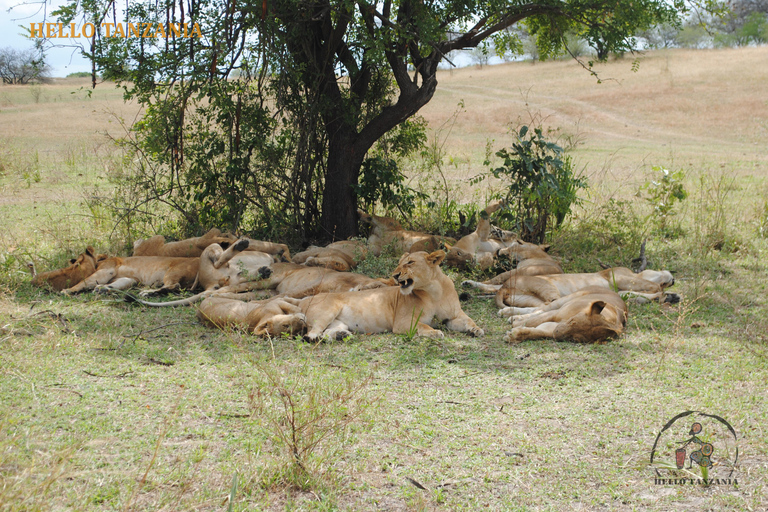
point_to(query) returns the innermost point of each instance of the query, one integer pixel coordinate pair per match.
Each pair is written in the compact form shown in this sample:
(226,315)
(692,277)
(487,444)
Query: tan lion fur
(593,314)
(424,294)
(387,232)
(262,318)
(534,291)
(116,273)
(232,266)
(478,248)
(342,256)
(189,248)
(79,268)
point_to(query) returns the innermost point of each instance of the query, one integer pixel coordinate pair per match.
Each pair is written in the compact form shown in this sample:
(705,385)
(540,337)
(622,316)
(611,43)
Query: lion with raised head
(79,268)
(423,295)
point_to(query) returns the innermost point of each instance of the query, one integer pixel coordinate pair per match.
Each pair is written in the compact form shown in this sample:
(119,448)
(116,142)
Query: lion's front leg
(407,325)
(463,323)
(485,288)
(99,277)
(319,319)
(519,334)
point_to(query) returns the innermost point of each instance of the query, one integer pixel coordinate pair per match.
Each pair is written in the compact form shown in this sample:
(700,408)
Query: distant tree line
(745,23)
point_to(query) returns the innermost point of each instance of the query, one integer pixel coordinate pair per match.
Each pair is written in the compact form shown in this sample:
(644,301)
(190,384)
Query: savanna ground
(107,406)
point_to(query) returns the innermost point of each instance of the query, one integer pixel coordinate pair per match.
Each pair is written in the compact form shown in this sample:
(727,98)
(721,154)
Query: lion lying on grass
(590,315)
(534,291)
(423,294)
(283,279)
(189,248)
(194,247)
(387,232)
(342,256)
(79,268)
(270,317)
(479,248)
(232,266)
(116,273)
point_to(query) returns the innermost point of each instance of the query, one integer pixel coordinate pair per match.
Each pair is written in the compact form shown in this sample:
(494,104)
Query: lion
(593,314)
(194,247)
(479,248)
(117,273)
(424,294)
(342,256)
(189,248)
(270,317)
(79,268)
(232,266)
(534,291)
(386,232)
(282,279)
(530,260)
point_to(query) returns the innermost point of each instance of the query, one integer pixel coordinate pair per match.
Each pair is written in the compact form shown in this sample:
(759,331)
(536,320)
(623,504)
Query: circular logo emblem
(696,445)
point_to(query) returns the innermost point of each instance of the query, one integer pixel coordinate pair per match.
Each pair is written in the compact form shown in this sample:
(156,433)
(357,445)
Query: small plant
(308,413)
(541,184)
(762,221)
(413,329)
(663,193)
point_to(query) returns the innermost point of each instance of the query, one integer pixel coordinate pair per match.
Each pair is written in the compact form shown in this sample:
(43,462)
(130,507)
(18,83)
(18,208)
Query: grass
(106,406)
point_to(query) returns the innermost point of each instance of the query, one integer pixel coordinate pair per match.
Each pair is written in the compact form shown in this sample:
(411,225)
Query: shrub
(662,193)
(541,186)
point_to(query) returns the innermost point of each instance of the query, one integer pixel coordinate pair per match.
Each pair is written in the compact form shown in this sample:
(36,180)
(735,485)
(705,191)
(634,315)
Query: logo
(695,448)
(121,30)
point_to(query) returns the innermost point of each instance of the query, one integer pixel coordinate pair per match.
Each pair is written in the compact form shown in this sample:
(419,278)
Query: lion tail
(172,303)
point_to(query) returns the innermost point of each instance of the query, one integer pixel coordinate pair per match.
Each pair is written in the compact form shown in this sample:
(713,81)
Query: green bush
(541,185)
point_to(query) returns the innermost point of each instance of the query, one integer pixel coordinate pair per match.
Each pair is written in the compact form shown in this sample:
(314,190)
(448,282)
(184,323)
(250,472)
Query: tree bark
(339,216)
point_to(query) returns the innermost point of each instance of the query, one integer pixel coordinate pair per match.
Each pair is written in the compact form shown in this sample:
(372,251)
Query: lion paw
(477,332)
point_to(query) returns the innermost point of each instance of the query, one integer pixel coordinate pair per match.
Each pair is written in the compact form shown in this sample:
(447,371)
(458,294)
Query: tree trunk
(339,217)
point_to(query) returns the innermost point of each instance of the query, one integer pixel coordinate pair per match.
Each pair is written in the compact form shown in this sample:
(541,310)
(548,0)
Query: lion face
(599,321)
(458,258)
(417,270)
(379,223)
(80,268)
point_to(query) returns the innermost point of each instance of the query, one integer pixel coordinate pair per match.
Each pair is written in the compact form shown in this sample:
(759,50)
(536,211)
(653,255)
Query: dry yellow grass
(682,108)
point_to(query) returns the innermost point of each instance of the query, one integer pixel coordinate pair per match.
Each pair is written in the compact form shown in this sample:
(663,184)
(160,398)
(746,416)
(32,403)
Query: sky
(13,13)
(17,15)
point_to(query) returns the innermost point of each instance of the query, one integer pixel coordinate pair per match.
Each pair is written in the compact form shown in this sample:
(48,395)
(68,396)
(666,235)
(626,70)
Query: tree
(23,66)
(344,74)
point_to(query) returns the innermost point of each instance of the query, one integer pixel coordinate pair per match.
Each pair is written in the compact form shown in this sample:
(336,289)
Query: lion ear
(435,258)
(596,307)
(545,247)
(448,247)
(89,250)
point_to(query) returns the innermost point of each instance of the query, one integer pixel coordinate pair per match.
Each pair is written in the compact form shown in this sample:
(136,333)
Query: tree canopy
(280,109)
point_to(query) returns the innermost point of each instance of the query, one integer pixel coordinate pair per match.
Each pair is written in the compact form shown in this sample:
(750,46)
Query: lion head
(79,268)
(598,321)
(458,258)
(379,223)
(417,270)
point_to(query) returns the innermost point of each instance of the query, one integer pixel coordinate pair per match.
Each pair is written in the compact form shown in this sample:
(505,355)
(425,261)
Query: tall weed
(308,412)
